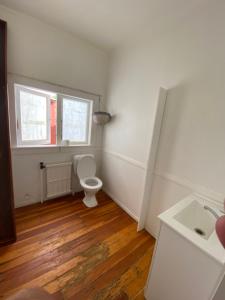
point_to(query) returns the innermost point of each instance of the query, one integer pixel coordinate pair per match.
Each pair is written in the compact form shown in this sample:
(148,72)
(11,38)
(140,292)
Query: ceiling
(107,23)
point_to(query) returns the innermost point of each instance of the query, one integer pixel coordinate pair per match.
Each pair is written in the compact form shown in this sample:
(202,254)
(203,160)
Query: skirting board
(124,207)
(30,202)
(26,203)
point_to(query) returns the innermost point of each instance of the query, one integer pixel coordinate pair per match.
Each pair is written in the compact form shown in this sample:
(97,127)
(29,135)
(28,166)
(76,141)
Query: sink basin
(197,219)
(191,220)
(189,260)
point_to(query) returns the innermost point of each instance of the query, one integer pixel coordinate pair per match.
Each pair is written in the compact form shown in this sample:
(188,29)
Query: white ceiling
(107,23)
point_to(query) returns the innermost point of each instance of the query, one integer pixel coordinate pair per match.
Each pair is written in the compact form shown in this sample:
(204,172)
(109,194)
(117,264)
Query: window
(47,118)
(75,119)
(33,111)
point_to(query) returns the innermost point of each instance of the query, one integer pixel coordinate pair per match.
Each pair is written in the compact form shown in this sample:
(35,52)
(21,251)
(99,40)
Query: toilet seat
(91,183)
(86,167)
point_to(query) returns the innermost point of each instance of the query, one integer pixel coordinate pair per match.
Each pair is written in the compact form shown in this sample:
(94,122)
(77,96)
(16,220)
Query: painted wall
(45,53)
(190,63)
(26,172)
(127,138)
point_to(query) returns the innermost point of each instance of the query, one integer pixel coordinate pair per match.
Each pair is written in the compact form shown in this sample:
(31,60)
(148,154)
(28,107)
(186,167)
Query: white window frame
(60,140)
(30,90)
(93,132)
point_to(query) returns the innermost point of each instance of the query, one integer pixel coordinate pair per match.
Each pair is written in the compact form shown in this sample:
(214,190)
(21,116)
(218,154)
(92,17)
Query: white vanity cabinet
(186,266)
(220,293)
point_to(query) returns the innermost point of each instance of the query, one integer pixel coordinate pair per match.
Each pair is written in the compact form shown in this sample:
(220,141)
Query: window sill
(49,146)
(38,149)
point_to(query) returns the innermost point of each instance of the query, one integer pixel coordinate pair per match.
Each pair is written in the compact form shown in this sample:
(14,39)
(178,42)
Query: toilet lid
(86,167)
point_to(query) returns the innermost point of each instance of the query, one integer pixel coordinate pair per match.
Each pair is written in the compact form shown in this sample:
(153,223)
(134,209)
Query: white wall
(189,62)
(123,180)
(127,137)
(26,172)
(45,53)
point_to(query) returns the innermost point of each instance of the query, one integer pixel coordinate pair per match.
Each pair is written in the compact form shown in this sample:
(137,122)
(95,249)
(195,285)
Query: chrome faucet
(213,212)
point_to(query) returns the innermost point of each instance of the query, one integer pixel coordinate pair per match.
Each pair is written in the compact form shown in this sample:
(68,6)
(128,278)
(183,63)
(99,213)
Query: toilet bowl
(85,169)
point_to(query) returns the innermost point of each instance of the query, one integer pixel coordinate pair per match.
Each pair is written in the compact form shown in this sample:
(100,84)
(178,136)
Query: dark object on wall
(7,225)
(101,117)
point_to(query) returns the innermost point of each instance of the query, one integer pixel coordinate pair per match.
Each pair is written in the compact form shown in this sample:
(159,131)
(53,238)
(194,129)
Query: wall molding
(211,195)
(124,207)
(125,158)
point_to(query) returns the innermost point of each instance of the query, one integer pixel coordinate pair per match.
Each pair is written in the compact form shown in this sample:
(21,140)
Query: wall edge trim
(125,158)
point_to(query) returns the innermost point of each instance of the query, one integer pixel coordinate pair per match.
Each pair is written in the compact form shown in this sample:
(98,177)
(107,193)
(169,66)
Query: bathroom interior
(112,149)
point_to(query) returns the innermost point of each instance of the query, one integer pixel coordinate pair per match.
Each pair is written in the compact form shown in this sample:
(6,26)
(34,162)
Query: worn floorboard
(75,252)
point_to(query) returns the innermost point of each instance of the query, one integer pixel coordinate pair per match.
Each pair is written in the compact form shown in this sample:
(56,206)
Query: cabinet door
(7,227)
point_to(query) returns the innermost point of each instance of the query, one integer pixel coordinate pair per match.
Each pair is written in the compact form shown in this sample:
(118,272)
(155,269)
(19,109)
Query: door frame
(157,125)
(7,222)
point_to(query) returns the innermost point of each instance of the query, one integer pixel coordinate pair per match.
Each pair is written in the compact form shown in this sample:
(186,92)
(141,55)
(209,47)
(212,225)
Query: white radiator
(58,179)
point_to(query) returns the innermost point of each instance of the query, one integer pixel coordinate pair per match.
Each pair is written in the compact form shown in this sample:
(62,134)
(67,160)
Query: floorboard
(77,253)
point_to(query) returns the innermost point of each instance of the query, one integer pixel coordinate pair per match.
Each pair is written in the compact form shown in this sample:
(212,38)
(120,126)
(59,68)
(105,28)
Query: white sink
(197,219)
(189,261)
(190,219)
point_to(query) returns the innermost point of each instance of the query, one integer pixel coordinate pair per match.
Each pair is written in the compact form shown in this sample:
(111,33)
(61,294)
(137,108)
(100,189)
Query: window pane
(33,110)
(75,116)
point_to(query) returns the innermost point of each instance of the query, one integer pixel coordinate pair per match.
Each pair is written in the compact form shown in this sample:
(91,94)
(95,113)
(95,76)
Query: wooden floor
(75,252)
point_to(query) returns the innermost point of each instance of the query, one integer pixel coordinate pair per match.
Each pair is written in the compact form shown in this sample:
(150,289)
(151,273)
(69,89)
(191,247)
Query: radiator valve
(42,165)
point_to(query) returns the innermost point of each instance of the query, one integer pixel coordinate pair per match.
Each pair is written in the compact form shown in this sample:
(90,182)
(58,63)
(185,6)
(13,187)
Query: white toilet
(85,168)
